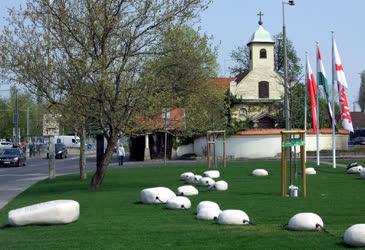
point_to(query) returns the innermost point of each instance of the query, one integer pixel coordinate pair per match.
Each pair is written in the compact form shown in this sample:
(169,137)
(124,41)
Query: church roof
(261,36)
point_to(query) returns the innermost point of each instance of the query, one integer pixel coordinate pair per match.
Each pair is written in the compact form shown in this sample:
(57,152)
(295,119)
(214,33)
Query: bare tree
(90,52)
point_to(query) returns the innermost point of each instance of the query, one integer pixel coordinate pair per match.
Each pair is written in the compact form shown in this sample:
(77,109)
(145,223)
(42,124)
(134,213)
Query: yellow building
(260,89)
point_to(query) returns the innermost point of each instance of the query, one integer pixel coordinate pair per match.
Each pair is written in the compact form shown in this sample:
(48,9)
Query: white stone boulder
(156,195)
(186,175)
(362,174)
(212,174)
(51,212)
(310,171)
(196,179)
(178,202)
(206,181)
(220,186)
(208,204)
(208,213)
(187,190)
(355,170)
(355,235)
(233,217)
(260,172)
(305,222)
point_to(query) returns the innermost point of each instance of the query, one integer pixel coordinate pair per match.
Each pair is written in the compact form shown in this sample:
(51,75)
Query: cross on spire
(260,14)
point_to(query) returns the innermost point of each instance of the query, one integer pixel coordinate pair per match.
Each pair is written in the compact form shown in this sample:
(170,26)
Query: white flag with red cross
(342,85)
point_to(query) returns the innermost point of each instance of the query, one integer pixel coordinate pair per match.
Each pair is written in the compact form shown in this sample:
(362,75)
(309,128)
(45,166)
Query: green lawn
(113,217)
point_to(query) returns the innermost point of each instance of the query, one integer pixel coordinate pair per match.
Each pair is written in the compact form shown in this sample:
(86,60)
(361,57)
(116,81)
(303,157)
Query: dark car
(60,151)
(12,157)
(357,141)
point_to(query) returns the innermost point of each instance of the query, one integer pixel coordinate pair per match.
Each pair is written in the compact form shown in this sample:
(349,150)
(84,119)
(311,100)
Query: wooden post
(304,175)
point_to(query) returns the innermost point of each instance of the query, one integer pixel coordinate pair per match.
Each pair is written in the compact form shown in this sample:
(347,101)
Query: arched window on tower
(263,89)
(263,53)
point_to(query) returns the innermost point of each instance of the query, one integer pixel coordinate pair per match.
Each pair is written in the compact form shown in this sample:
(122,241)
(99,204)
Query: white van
(70,141)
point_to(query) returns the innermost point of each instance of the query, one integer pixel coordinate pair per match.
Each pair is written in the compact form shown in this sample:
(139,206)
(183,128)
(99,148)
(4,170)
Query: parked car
(60,151)
(12,157)
(70,141)
(6,144)
(357,141)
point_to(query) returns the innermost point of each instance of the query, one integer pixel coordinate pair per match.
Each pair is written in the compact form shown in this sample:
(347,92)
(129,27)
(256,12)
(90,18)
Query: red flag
(312,89)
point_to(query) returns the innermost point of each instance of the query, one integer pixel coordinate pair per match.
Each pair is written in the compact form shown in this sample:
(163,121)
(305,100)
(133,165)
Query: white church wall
(263,146)
(266,64)
(248,87)
(185,149)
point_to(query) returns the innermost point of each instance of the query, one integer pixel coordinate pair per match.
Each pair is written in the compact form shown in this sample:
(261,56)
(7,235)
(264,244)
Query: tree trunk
(83,173)
(101,167)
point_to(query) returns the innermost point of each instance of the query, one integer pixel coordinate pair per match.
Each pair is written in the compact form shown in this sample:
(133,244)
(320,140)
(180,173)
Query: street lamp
(286,88)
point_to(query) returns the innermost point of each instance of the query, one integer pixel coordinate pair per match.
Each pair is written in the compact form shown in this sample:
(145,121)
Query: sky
(232,22)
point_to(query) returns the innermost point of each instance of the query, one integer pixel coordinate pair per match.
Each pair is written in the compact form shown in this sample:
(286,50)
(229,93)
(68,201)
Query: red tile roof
(276,131)
(221,83)
(155,123)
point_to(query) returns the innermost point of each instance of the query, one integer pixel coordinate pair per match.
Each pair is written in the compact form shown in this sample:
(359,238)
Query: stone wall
(265,146)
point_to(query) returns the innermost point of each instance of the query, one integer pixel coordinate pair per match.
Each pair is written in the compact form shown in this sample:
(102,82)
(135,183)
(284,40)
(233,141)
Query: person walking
(121,154)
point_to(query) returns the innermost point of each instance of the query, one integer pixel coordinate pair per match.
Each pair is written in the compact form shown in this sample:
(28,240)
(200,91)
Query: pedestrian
(121,154)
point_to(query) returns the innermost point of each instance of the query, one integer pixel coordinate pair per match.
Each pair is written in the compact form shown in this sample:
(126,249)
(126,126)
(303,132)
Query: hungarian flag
(342,85)
(322,80)
(312,90)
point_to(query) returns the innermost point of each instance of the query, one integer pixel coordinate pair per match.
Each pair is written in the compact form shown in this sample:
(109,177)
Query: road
(15,180)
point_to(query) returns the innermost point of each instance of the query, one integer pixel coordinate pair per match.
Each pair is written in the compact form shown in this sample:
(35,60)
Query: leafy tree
(241,58)
(297,110)
(182,77)
(362,92)
(7,110)
(91,53)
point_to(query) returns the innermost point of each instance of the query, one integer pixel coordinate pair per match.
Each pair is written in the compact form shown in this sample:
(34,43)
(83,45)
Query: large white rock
(305,222)
(260,172)
(355,170)
(233,217)
(206,181)
(51,212)
(211,174)
(310,171)
(196,179)
(207,204)
(156,195)
(178,202)
(208,213)
(220,186)
(355,235)
(362,174)
(187,190)
(186,175)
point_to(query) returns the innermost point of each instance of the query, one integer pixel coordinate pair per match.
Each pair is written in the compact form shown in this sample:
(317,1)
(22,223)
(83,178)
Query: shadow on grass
(344,245)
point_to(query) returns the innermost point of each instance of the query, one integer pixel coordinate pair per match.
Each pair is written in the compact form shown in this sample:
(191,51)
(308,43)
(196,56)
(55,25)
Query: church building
(260,90)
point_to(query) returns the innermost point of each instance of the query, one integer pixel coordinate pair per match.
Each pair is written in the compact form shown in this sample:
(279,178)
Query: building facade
(260,89)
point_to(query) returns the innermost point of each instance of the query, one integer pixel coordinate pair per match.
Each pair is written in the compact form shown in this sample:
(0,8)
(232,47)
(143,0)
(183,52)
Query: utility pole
(28,128)
(16,118)
(286,85)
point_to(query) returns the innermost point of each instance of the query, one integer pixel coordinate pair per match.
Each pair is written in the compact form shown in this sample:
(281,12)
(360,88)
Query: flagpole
(333,106)
(305,92)
(305,101)
(317,107)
